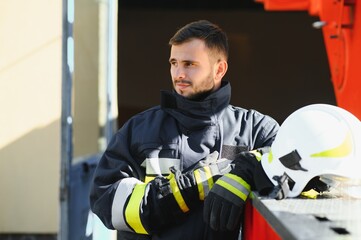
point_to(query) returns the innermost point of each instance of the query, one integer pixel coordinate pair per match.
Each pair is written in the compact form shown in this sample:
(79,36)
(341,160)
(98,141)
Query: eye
(189,64)
(173,63)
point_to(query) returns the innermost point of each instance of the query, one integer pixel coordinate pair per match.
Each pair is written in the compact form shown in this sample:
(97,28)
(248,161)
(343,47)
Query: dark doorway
(277,63)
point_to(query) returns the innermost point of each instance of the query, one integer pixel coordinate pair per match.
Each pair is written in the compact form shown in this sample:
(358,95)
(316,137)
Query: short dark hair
(214,37)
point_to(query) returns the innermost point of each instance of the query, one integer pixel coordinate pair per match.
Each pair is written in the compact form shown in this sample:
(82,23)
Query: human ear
(220,69)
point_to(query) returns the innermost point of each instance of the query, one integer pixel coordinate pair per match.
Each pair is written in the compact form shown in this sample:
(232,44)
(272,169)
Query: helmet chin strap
(281,190)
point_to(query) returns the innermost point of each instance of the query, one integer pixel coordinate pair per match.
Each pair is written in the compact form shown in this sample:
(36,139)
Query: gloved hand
(191,187)
(225,202)
(165,201)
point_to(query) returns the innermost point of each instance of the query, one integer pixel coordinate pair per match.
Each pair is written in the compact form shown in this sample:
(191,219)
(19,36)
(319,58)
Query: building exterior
(56,74)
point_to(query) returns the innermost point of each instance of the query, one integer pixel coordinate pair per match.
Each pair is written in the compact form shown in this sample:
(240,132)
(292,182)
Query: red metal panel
(341,26)
(255,226)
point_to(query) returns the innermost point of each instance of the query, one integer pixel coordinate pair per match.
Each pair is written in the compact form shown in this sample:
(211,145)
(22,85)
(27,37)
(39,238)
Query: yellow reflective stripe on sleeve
(204,181)
(240,180)
(177,194)
(257,154)
(237,191)
(148,179)
(209,177)
(132,211)
(198,177)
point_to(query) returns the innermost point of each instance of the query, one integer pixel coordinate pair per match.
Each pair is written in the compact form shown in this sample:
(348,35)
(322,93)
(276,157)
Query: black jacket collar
(196,114)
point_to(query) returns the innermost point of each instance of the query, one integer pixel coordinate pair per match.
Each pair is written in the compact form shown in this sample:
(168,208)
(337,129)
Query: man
(152,180)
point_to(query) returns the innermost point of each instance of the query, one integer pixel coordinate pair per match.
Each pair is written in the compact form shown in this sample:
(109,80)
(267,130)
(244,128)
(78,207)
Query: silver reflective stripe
(125,188)
(160,166)
(234,184)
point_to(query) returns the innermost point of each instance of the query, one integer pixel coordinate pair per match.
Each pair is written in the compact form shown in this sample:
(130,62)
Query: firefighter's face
(194,70)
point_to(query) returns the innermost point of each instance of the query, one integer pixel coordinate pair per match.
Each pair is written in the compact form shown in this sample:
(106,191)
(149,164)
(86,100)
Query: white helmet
(316,140)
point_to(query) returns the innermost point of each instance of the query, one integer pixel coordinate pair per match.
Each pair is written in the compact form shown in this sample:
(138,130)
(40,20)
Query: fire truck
(331,218)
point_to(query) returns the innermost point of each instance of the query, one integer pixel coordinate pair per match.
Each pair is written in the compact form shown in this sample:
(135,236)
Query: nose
(178,73)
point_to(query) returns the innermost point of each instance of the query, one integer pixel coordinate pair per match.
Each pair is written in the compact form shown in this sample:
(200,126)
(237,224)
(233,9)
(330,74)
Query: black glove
(225,202)
(166,201)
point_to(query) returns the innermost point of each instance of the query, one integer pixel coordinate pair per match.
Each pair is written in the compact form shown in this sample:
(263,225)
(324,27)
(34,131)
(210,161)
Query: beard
(202,90)
(201,95)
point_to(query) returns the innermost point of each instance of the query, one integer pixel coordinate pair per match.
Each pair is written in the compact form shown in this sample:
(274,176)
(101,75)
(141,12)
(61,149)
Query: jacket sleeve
(114,179)
(121,199)
(264,130)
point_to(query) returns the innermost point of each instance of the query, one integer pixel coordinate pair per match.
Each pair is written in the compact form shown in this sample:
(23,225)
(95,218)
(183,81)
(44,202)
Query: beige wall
(30,103)
(86,74)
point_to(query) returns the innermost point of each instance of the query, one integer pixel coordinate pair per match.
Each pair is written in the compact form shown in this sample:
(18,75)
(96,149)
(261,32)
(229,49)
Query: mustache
(183,82)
